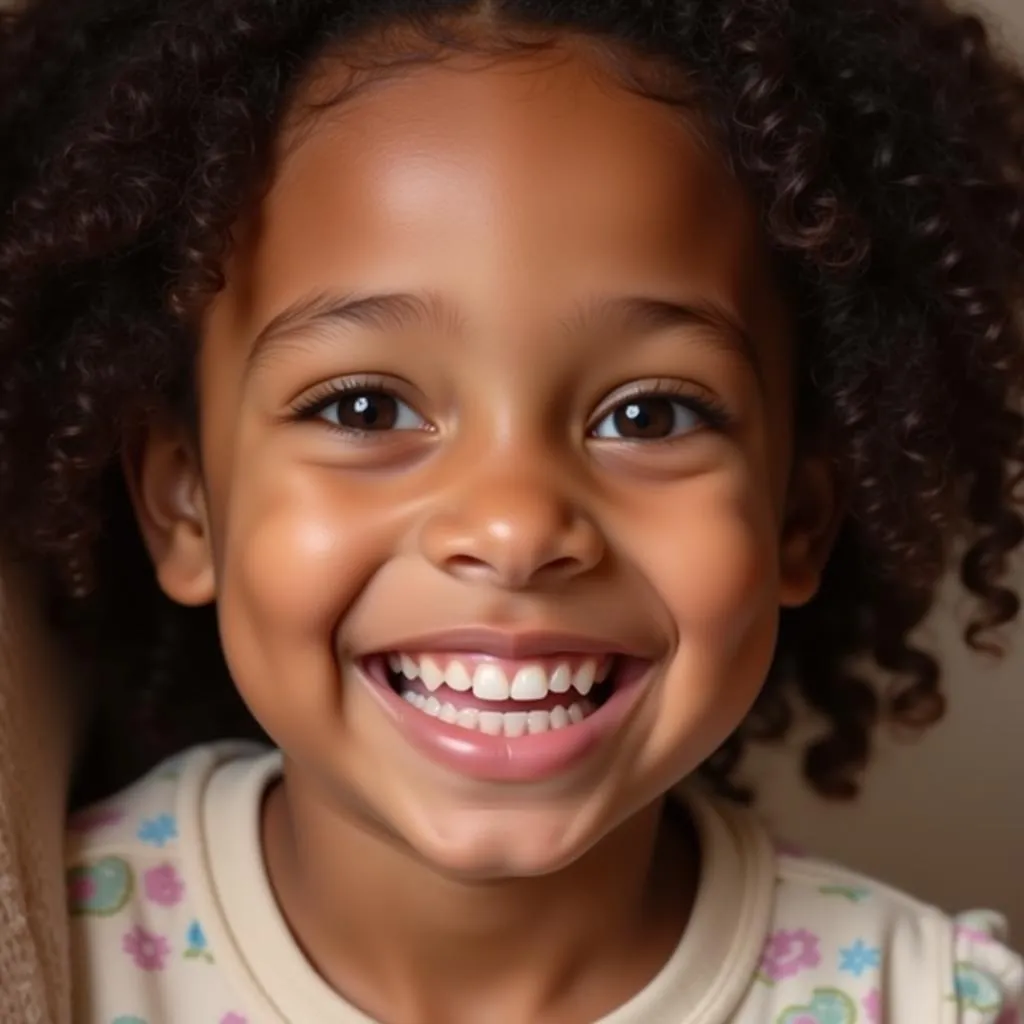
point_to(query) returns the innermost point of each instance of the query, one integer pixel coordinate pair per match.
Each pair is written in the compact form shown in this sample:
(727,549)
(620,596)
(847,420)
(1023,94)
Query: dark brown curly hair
(883,140)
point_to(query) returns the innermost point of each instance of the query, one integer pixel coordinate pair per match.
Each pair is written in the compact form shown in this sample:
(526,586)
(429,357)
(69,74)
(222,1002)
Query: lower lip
(522,759)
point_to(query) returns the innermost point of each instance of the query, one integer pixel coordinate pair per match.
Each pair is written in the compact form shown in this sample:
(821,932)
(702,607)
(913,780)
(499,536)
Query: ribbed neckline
(220,801)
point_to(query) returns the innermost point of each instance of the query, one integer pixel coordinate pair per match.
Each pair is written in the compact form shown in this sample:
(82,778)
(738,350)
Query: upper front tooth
(584,678)
(561,679)
(431,675)
(458,678)
(409,667)
(489,682)
(530,683)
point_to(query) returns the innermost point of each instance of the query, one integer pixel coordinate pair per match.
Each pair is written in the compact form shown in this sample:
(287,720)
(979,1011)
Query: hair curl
(883,140)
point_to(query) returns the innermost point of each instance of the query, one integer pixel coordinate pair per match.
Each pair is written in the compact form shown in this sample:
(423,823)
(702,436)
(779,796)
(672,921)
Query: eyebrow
(398,310)
(650,315)
(394,311)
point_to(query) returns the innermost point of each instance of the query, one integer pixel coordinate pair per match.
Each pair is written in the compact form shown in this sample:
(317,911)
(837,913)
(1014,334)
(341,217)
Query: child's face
(531,284)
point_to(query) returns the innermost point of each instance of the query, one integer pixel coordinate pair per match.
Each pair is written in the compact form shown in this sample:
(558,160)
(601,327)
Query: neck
(403,942)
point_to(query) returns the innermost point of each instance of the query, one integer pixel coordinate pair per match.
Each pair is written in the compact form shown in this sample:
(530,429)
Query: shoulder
(144,819)
(833,944)
(837,934)
(134,873)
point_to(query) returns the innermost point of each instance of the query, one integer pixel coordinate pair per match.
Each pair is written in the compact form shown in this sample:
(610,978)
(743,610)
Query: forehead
(514,178)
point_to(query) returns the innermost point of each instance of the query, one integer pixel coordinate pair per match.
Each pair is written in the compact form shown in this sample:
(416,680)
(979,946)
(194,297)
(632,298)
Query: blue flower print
(129,1020)
(977,989)
(858,958)
(196,946)
(158,831)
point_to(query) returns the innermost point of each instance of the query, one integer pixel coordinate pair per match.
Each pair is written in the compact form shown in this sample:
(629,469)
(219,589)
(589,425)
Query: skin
(531,198)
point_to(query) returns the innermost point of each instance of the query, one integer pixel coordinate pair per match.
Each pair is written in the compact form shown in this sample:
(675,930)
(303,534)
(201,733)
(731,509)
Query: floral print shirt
(174,922)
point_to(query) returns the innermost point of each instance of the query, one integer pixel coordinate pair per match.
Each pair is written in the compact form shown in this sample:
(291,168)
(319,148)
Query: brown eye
(648,418)
(367,412)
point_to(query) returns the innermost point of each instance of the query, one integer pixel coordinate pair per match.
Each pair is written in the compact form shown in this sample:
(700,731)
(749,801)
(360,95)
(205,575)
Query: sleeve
(988,975)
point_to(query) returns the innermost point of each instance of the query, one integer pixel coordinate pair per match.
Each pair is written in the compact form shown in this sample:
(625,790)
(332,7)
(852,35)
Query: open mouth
(502,697)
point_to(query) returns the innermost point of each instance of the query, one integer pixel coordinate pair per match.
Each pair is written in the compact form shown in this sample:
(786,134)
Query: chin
(494,845)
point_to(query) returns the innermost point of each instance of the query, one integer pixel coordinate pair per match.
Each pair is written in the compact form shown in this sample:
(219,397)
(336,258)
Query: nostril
(468,565)
(560,566)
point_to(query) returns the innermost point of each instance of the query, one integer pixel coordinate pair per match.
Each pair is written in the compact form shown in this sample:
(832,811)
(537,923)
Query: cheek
(716,576)
(715,565)
(295,554)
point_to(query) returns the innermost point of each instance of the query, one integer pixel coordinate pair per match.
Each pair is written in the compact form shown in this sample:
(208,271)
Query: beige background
(1011,14)
(945,817)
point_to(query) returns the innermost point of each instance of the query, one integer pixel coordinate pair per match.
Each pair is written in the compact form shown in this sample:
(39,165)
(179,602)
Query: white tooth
(604,667)
(395,663)
(559,718)
(489,682)
(584,678)
(420,701)
(432,707)
(515,723)
(409,668)
(458,678)
(449,713)
(468,718)
(431,675)
(530,683)
(561,680)
(492,723)
(409,697)
(576,714)
(538,721)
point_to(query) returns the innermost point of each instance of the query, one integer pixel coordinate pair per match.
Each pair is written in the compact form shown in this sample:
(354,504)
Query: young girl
(530,400)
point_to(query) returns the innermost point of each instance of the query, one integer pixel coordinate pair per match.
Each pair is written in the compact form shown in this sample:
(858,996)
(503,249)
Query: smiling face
(497,498)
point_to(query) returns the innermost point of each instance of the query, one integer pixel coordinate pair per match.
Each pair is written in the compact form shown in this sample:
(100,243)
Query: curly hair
(882,139)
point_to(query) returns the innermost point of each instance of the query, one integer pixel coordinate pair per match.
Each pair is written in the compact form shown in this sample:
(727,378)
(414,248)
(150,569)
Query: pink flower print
(969,934)
(872,1004)
(95,818)
(163,885)
(1011,1015)
(234,1018)
(787,953)
(147,950)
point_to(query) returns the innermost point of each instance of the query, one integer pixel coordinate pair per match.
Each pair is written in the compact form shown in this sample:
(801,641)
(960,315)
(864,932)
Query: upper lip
(510,645)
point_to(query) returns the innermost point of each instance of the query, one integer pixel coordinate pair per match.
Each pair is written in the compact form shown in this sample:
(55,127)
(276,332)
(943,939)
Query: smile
(502,697)
(504,708)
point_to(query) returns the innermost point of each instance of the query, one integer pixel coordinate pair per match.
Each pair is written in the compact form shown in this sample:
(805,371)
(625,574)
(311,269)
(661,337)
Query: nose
(512,533)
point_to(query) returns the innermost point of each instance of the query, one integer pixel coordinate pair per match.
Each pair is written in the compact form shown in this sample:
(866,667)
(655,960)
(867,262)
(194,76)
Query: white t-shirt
(174,922)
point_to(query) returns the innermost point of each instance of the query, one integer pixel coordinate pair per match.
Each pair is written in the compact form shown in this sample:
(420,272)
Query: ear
(166,487)
(814,514)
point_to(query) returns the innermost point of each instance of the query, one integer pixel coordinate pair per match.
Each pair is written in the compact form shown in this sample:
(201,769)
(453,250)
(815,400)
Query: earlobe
(814,515)
(166,488)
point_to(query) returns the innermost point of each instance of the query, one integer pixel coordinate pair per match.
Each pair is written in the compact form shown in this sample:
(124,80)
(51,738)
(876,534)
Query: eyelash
(707,407)
(323,396)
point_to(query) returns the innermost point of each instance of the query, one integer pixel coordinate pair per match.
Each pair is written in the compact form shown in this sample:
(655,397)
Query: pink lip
(510,645)
(525,759)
